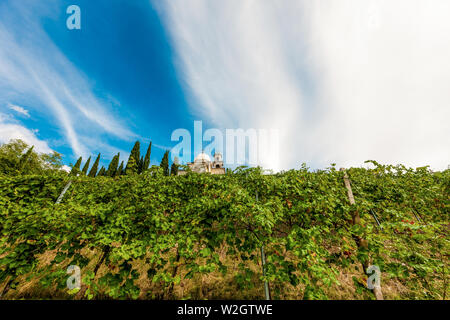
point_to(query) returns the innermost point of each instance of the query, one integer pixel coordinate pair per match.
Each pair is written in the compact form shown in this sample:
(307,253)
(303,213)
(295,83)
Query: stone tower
(218,162)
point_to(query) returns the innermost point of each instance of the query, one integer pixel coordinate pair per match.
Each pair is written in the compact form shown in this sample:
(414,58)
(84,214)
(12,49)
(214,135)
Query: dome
(202,157)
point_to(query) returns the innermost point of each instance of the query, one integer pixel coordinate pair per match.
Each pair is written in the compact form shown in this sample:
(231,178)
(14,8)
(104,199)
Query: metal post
(414,211)
(417,217)
(376,219)
(63,192)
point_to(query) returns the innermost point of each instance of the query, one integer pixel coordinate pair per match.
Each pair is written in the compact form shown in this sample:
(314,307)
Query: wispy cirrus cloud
(32,66)
(343,81)
(19,109)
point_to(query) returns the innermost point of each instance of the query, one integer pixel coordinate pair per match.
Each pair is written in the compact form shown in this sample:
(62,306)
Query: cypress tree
(24,159)
(120,171)
(131,166)
(136,153)
(86,166)
(147,157)
(165,163)
(174,169)
(94,168)
(141,165)
(76,168)
(101,172)
(112,168)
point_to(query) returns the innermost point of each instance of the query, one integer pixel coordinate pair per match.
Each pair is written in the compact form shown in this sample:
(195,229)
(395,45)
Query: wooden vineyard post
(263,263)
(362,243)
(8,284)
(266,284)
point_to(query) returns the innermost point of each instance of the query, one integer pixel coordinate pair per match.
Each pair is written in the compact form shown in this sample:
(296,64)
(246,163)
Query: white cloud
(9,131)
(31,65)
(66,168)
(19,109)
(343,81)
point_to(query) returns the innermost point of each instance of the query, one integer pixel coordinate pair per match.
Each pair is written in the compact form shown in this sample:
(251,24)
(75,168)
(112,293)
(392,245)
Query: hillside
(199,236)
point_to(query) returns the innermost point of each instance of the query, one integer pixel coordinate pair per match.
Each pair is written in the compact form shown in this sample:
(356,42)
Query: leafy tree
(51,161)
(131,166)
(102,172)
(94,168)
(112,168)
(13,155)
(24,159)
(76,168)
(165,163)
(10,155)
(147,157)
(86,167)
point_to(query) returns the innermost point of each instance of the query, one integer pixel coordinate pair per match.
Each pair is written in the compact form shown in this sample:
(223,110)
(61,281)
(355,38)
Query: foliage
(24,159)
(147,157)
(112,168)
(76,168)
(101,172)
(121,170)
(86,166)
(174,169)
(131,168)
(17,157)
(136,155)
(93,171)
(165,163)
(300,217)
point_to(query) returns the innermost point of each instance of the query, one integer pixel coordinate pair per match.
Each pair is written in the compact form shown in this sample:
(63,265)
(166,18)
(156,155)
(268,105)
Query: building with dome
(202,163)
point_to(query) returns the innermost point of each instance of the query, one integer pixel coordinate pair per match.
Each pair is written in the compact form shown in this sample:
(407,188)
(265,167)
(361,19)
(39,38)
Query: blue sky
(124,62)
(342,82)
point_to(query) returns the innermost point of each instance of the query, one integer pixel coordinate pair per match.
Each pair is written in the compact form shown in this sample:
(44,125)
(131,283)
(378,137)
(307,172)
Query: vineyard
(200,236)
